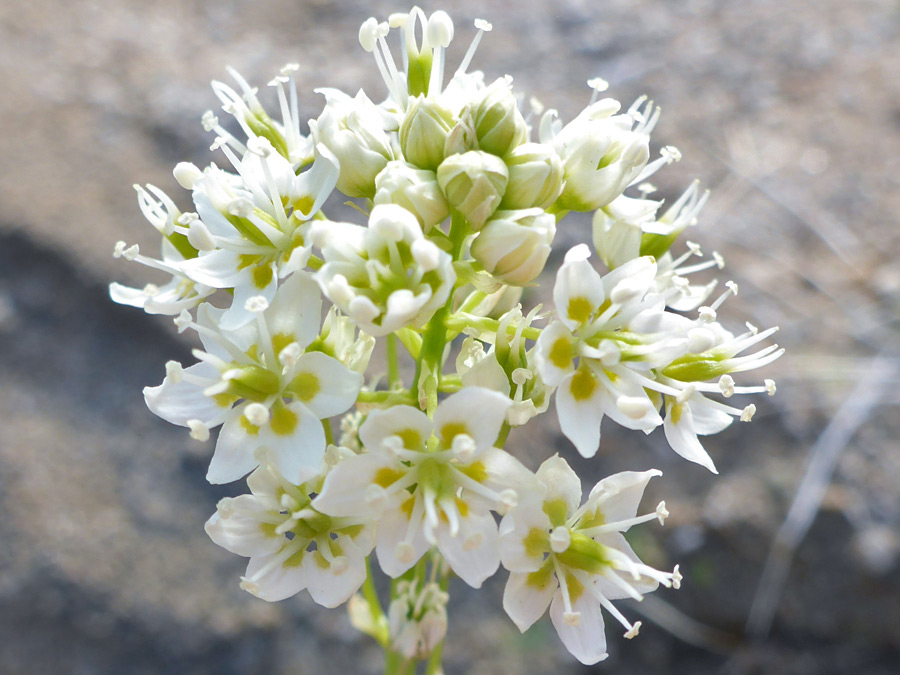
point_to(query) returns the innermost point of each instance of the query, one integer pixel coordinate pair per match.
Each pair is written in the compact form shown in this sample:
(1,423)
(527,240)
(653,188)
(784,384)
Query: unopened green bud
(535,177)
(514,245)
(473,183)
(414,189)
(499,125)
(424,132)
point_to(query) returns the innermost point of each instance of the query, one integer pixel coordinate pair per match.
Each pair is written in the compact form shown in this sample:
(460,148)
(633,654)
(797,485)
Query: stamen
(598,84)
(199,430)
(483,27)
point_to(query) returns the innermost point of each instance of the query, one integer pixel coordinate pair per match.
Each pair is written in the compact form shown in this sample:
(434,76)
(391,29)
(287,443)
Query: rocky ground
(787,109)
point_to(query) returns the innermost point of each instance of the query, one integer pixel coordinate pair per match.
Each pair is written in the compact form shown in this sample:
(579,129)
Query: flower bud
(414,189)
(535,177)
(514,245)
(601,156)
(499,125)
(424,132)
(473,183)
(353,130)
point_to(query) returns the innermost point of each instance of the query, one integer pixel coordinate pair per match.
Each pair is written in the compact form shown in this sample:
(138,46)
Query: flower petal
(587,640)
(526,602)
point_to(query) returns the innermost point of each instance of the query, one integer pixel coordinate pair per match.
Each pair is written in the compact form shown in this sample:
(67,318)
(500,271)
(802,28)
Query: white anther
(732,286)
(249,586)
(439,30)
(240,207)
(387,227)
(521,375)
(257,414)
(392,444)
(225,507)
(200,237)
(726,385)
(634,407)
(747,413)
(218,143)
(509,499)
(707,314)
(174,372)
(770,387)
(670,153)
(700,339)
(463,447)
(481,24)
(151,290)
(340,564)
(473,541)
(199,431)
(289,355)
(119,249)
(426,254)
(720,261)
(256,304)
(536,105)
(289,69)
(405,553)
(680,283)
(693,247)
(362,309)
(753,329)
(609,353)
(339,290)
(560,539)
(598,84)
(209,121)
(187,218)
(277,81)
(183,321)
(662,513)
(685,394)
(676,578)
(187,174)
(633,631)
(572,618)
(375,496)
(260,146)
(626,290)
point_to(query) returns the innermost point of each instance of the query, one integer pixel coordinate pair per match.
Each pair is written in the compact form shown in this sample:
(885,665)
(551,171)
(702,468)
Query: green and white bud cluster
(460,204)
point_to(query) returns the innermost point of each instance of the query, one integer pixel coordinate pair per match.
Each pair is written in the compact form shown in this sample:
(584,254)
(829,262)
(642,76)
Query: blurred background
(788,110)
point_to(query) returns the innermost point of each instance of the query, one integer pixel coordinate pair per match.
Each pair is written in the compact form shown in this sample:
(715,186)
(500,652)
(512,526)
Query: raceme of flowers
(460,193)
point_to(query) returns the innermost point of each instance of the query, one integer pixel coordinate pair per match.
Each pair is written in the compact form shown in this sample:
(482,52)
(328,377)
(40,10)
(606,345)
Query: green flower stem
(460,321)
(393,373)
(450,384)
(411,341)
(504,434)
(329,432)
(379,619)
(401,397)
(430,363)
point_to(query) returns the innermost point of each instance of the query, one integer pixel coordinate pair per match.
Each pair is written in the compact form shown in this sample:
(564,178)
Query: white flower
(180,292)
(414,189)
(256,224)
(601,154)
(417,618)
(431,484)
(514,245)
(574,558)
(353,130)
(275,526)
(384,276)
(618,332)
(263,385)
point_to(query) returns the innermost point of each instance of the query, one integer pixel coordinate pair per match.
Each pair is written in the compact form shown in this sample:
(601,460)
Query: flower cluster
(461,193)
